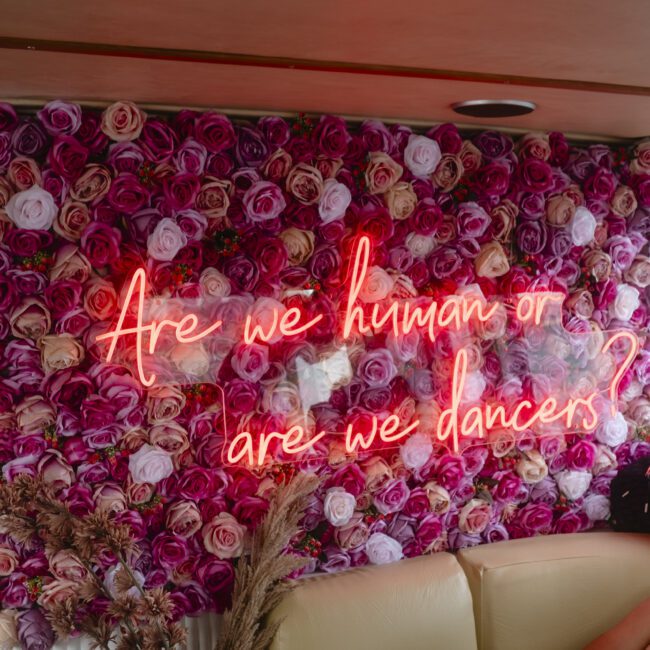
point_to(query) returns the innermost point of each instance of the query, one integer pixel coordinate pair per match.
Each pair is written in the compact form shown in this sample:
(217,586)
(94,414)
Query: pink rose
(474,516)
(263,201)
(32,209)
(334,201)
(422,155)
(223,536)
(122,121)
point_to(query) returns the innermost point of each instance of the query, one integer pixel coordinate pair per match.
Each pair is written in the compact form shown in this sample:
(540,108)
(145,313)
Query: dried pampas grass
(260,579)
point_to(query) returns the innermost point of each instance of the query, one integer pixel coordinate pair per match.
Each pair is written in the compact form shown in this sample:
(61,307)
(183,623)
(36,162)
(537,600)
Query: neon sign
(553,361)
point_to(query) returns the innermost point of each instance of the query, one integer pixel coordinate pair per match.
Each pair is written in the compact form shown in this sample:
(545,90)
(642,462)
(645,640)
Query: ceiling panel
(43,75)
(563,39)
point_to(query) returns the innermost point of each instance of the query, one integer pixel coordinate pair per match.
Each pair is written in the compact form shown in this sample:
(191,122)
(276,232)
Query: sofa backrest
(418,604)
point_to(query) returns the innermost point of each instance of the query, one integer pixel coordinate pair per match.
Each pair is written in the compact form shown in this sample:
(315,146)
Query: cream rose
(213,199)
(299,244)
(624,202)
(34,414)
(30,320)
(491,262)
(164,402)
(66,566)
(401,200)
(8,633)
(338,506)
(223,536)
(474,516)
(60,351)
(439,498)
(71,220)
(448,173)
(639,272)
(100,299)
(183,518)
(122,121)
(70,264)
(214,283)
(23,173)
(560,210)
(378,284)
(32,209)
(382,172)
(8,561)
(420,245)
(92,185)
(532,467)
(305,183)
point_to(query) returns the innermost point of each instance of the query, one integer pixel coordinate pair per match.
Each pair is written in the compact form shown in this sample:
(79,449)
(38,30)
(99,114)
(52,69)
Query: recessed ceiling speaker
(494,107)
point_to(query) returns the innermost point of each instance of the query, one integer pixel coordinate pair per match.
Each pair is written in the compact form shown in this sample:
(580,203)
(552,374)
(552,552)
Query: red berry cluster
(49,433)
(153,504)
(181,273)
(562,504)
(202,394)
(146,173)
(111,454)
(303,126)
(311,546)
(227,242)
(40,261)
(313,285)
(34,587)
(283,473)
(359,176)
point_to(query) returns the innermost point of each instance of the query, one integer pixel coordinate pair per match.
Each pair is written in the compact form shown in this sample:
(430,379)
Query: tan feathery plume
(260,579)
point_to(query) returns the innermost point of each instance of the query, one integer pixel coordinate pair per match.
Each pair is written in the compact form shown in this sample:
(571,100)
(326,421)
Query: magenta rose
(170,550)
(67,156)
(100,243)
(127,195)
(214,132)
(60,118)
(263,201)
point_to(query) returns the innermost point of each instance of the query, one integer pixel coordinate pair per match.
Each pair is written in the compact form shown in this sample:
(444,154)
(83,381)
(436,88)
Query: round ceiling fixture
(494,107)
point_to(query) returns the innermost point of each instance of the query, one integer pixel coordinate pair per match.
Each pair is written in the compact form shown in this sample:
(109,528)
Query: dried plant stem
(260,581)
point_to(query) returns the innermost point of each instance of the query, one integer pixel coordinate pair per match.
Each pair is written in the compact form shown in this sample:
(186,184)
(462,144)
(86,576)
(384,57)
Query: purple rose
(60,118)
(376,368)
(180,190)
(444,262)
(275,130)
(251,149)
(493,145)
(34,630)
(531,237)
(325,263)
(29,139)
(621,250)
(214,132)
(90,133)
(8,117)
(535,175)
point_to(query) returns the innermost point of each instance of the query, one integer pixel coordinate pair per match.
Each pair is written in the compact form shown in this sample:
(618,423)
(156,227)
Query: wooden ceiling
(583,62)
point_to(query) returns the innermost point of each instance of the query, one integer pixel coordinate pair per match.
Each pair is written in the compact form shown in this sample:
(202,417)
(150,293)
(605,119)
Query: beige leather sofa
(545,593)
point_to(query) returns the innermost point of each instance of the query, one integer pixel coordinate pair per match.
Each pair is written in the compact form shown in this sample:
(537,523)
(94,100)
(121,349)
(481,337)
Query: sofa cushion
(418,604)
(557,592)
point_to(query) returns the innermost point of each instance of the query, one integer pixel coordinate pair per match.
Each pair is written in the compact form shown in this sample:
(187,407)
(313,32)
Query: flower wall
(264,211)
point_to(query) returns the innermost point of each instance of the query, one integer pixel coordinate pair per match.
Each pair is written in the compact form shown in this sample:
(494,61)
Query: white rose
(475,384)
(415,452)
(339,506)
(382,549)
(582,227)
(334,201)
(32,209)
(422,155)
(626,302)
(150,464)
(596,507)
(420,245)
(573,484)
(378,284)
(613,431)
(605,460)
(166,240)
